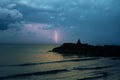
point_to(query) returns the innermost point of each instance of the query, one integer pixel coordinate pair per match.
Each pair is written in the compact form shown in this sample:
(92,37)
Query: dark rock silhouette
(88,50)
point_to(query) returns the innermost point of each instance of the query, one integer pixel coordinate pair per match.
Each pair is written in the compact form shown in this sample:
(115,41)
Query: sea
(37,62)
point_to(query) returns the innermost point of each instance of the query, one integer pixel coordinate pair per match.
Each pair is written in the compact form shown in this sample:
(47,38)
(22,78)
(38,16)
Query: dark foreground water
(34,62)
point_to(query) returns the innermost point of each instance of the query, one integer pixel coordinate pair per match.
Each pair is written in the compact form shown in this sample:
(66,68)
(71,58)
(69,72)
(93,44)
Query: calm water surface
(34,62)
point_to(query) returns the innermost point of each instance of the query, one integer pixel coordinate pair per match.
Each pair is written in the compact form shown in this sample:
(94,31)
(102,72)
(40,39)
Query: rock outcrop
(88,50)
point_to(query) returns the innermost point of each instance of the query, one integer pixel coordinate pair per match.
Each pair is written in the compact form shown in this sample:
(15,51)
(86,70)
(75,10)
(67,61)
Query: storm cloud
(67,13)
(9,17)
(75,13)
(94,21)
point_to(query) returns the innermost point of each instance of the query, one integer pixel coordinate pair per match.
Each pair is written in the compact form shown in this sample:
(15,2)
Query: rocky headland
(88,50)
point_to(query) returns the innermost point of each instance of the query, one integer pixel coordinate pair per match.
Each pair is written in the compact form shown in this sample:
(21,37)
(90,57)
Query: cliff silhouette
(88,50)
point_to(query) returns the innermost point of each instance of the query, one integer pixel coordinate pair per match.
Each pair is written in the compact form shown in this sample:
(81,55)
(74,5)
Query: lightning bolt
(56,36)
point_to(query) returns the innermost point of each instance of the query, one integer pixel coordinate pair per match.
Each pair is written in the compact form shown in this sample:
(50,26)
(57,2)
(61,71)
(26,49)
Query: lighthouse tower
(78,42)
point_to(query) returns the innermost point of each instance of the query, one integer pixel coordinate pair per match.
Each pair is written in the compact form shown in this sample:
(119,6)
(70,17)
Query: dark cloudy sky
(35,21)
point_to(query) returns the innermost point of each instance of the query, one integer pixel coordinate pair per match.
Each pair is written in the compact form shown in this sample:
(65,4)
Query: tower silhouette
(78,42)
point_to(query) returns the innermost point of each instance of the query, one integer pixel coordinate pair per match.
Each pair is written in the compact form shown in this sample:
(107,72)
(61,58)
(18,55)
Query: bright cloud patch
(41,26)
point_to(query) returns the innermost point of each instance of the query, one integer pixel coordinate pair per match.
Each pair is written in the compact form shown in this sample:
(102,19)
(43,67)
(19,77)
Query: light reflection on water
(21,59)
(12,54)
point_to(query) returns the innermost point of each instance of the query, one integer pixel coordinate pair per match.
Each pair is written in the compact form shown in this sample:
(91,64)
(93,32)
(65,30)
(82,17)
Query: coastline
(88,50)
